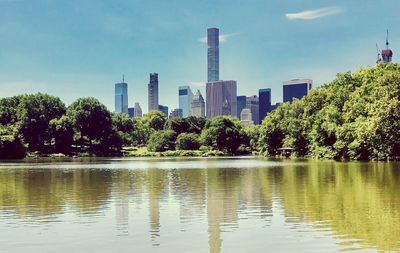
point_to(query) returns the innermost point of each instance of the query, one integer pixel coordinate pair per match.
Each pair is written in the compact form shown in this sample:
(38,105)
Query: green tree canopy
(188,141)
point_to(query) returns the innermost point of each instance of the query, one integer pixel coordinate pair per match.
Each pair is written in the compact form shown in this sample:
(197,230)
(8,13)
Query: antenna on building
(387,39)
(123,78)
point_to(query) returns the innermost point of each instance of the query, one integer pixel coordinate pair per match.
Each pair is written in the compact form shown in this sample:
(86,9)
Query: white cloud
(314,14)
(222,38)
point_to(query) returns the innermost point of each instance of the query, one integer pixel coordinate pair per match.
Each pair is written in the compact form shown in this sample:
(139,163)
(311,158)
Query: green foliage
(161,141)
(155,120)
(356,116)
(11,146)
(186,125)
(187,141)
(63,134)
(124,126)
(224,133)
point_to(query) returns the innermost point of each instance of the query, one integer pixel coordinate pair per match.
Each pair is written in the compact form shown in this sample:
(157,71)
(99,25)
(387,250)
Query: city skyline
(81,57)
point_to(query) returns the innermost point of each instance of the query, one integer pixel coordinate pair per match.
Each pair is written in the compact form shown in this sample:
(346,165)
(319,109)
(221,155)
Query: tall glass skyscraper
(213,54)
(121,97)
(153,92)
(221,98)
(185,98)
(296,88)
(252,103)
(241,104)
(264,96)
(163,109)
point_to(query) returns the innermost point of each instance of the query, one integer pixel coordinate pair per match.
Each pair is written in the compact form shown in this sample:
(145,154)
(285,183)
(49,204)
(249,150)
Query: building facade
(213,54)
(252,103)
(198,106)
(241,104)
(221,98)
(131,112)
(264,97)
(121,97)
(246,116)
(138,110)
(176,113)
(163,109)
(296,88)
(185,99)
(153,92)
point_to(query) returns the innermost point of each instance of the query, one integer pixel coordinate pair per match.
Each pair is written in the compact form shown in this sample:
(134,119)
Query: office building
(138,111)
(213,54)
(163,109)
(198,106)
(153,92)
(241,104)
(176,113)
(185,99)
(387,54)
(131,112)
(252,103)
(273,107)
(246,116)
(264,97)
(296,88)
(121,97)
(221,98)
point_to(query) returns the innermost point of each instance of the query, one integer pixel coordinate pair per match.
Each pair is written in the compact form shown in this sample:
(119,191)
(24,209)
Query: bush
(11,147)
(188,141)
(161,141)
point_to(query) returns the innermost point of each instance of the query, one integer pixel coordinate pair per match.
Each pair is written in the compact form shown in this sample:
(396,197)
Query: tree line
(356,116)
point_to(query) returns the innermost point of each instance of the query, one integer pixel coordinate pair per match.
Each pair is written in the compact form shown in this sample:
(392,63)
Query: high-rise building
(138,110)
(246,116)
(176,113)
(387,53)
(252,103)
(198,106)
(273,107)
(163,109)
(185,98)
(296,88)
(221,98)
(264,96)
(241,104)
(153,92)
(213,54)
(131,112)
(121,97)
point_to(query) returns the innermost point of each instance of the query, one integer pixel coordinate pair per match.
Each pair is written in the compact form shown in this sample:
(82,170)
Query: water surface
(198,205)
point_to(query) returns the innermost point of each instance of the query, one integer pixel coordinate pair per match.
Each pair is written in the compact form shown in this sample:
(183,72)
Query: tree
(190,124)
(161,141)
(224,133)
(91,120)
(11,146)
(187,141)
(155,120)
(124,126)
(63,133)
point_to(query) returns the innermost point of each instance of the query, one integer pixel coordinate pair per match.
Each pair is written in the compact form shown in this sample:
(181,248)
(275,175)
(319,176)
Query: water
(199,205)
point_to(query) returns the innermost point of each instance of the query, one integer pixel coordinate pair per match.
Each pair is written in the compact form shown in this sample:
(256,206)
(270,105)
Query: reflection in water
(356,205)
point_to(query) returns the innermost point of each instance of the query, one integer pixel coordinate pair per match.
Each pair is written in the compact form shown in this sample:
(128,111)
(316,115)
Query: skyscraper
(252,103)
(246,116)
(264,96)
(138,110)
(176,113)
(198,107)
(185,98)
(121,97)
(221,98)
(163,109)
(131,112)
(153,92)
(241,104)
(387,53)
(296,88)
(213,54)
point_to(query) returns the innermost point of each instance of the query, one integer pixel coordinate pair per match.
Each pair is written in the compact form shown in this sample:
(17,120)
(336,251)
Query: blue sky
(79,48)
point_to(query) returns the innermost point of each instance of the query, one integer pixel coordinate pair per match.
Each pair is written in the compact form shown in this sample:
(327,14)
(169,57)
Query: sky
(81,48)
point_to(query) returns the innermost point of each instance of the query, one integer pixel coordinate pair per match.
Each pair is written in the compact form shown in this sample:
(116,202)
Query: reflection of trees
(356,200)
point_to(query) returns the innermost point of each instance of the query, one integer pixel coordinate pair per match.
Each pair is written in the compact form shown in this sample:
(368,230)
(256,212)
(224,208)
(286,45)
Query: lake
(243,204)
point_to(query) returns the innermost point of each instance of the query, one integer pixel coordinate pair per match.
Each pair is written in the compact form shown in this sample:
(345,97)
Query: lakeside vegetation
(356,116)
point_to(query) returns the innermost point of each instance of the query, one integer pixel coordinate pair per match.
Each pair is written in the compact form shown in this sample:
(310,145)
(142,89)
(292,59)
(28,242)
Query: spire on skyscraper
(387,53)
